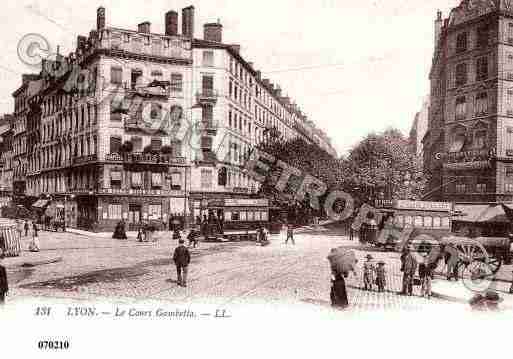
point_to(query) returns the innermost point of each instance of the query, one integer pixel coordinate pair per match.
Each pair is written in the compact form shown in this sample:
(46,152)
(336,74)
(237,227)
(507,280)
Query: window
(480,139)
(436,222)
(408,220)
(135,79)
(137,144)
(156,179)
(482,104)
(257,216)
(483,34)
(461,74)
(481,188)
(115,211)
(509,187)
(206,179)
(243,216)
(482,69)
(116,75)
(136,179)
(208,58)
(459,140)
(230,118)
(115,144)
(115,179)
(156,143)
(510,32)
(461,42)
(419,221)
(461,188)
(155,211)
(445,222)
(176,82)
(399,221)
(177,148)
(207,113)
(206,143)
(207,84)
(428,221)
(176,181)
(235,216)
(263,216)
(508,141)
(461,108)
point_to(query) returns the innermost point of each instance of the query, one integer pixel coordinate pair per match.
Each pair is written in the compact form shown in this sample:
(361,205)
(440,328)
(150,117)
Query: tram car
(235,219)
(434,219)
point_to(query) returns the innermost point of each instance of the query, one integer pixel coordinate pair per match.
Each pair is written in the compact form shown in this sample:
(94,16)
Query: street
(84,267)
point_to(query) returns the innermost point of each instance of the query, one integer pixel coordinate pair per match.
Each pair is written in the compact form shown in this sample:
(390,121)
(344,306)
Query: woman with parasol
(342,262)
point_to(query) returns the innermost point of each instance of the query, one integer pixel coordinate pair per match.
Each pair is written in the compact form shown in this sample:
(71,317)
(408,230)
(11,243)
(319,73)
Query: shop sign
(235,202)
(424,206)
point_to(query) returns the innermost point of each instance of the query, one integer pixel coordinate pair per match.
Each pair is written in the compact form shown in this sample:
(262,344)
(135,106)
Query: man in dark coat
(4,285)
(182,258)
(408,267)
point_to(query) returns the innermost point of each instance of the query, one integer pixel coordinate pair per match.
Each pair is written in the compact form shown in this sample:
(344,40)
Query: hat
(381,263)
(368,256)
(492,296)
(181,241)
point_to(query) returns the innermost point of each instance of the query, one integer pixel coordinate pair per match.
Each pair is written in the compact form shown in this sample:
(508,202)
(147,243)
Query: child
(368,273)
(381,276)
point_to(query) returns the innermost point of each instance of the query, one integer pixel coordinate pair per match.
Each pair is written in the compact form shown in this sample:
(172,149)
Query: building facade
(140,126)
(468,148)
(6,162)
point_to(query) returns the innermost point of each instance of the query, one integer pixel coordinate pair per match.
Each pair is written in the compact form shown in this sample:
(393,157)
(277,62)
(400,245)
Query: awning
(469,212)
(508,210)
(481,214)
(494,214)
(40,203)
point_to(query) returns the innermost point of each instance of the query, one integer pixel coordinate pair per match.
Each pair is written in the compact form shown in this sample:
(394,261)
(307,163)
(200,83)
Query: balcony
(145,158)
(207,96)
(84,159)
(240,190)
(155,89)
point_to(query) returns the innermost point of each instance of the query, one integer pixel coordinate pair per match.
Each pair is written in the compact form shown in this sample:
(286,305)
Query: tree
(385,166)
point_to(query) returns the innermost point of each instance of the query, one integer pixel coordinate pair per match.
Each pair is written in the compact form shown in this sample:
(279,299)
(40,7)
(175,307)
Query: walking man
(4,285)
(26,228)
(182,258)
(290,234)
(409,267)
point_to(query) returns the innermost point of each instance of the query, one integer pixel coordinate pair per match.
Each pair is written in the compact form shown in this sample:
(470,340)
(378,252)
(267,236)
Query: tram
(234,219)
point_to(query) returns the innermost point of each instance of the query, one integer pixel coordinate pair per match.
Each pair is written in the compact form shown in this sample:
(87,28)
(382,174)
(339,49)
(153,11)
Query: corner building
(468,148)
(158,126)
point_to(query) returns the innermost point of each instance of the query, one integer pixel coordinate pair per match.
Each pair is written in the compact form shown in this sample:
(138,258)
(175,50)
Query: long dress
(338,292)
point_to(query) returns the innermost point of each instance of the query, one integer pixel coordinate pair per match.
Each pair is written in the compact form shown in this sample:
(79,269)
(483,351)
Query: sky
(354,67)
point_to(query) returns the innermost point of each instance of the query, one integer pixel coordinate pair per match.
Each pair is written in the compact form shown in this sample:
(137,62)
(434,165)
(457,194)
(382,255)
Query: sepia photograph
(248,179)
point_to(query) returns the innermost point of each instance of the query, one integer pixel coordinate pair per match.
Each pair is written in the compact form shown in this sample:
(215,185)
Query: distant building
(6,163)
(419,129)
(468,148)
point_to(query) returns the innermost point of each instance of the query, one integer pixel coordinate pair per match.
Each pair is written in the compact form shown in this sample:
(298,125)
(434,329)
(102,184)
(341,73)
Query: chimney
(266,82)
(259,75)
(188,22)
(171,23)
(144,27)
(438,27)
(100,18)
(277,91)
(213,32)
(236,48)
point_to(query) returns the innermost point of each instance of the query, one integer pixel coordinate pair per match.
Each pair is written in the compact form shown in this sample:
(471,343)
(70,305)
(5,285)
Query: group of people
(26,228)
(409,267)
(374,274)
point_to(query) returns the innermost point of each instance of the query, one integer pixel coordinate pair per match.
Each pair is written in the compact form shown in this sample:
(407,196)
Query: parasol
(342,260)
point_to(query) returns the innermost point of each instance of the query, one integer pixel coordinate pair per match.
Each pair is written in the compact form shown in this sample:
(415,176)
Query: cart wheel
(469,251)
(477,276)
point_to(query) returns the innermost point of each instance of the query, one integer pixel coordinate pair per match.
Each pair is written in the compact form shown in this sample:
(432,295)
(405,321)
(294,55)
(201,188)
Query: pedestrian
(4,284)
(140,234)
(381,276)
(182,258)
(34,245)
(409,267)
(193,238)
(19,227)
(369,270)
(425,269)
(264,240)
(338,293)
(27,227)
(290,234)
(176,234)
(451,259)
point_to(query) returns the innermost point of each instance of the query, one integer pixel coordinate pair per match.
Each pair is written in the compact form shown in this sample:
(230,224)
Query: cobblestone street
(84,267)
